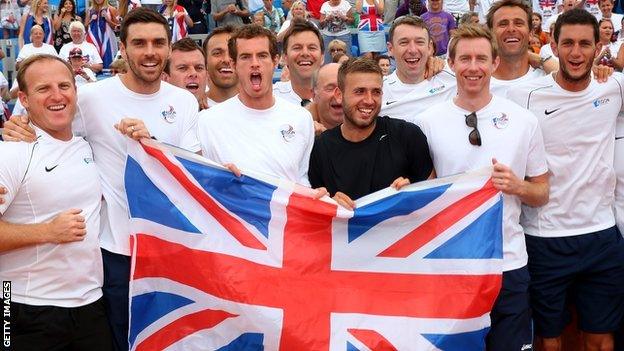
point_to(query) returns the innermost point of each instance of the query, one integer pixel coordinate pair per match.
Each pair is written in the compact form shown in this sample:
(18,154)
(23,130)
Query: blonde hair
(302,4)
(34,6)
(104,4)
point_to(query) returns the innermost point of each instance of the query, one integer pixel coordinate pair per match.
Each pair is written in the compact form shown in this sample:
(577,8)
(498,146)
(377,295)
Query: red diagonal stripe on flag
(182,327)
(437,224)
(234,226)
(372,339)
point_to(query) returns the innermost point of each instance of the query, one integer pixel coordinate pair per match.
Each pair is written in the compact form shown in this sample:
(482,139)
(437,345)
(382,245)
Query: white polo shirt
(407,101)
(43,179)
(579,135)
(510,134)
(170,115)
(276,141)
(499,87)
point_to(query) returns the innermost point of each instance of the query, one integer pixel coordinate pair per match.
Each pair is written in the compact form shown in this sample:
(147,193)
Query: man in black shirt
(366,153)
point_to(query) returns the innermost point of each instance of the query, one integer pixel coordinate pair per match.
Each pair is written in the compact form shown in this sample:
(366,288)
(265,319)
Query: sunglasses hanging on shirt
(474,137)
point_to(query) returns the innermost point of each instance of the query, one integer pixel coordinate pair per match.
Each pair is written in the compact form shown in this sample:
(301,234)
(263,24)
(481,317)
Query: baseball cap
(75,52)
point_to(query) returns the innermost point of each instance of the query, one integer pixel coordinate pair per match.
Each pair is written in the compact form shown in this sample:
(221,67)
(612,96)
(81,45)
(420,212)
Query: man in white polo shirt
(407,92)
(49,249)
(477,129)
(575,252)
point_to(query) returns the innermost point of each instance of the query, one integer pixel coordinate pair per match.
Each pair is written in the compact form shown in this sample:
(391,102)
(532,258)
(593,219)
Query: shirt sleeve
(94,56)
(12,157)
(536,159)
(189,140)
(421,164)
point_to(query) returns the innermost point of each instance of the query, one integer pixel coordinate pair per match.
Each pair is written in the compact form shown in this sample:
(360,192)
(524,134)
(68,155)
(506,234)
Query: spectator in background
(258,18)
(61,21)
(545,9)
(371,35)
(119,66)
(297,10)
(83,74)
(177,17)
(411,7)
(38,15)
(383,61)
(535,44)
(340,58)
(536,29)
(337,46)
(609,49)
(194,10)
(100,21)
(9,20)
(457,8)
(273,16)
(37,46)
(92,57)
(336,16)
(606,12)
(441,25)
(469,18)
(229,12)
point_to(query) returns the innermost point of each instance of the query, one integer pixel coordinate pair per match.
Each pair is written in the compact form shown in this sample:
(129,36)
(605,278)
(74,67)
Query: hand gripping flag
(255,263)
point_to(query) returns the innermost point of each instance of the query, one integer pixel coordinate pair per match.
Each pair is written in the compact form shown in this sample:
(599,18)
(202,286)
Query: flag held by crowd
(255,263)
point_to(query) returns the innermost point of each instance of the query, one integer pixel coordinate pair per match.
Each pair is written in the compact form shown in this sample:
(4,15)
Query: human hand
(17,129)
(68,226)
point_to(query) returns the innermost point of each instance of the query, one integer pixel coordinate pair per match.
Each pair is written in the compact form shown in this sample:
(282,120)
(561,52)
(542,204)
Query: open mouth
(256,80)
(305,63)
(192,86)
(225,70)
(365,112)
(150,65)
(512,40)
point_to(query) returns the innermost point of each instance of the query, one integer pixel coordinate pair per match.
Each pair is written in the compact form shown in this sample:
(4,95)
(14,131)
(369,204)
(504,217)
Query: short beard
(139,77)
(568,78)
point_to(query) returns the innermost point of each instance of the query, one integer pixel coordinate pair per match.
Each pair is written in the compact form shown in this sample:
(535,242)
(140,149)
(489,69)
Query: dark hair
(410,21)
(382,57)
(251,31)
(185,45)
(507,3)
(142,15)
(298,25)
(357,65)
(62,4)
(228,29)
(21,73)
(576,16)
(471,31)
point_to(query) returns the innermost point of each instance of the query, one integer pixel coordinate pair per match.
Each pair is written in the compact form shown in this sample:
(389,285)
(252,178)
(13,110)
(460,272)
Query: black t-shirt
(395,149)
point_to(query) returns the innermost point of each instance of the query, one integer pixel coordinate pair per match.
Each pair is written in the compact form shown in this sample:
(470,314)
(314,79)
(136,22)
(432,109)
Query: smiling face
(254,67)
(36,36)
(146,50)
(384,64)
(329,109)
(576,50)
(606,7)
(298,11)
(187,70)
(536,22)
(511,29)
(303,55)
(361,99)
(50,97)
(473,65)
(435,5)
(77,35)
(218,62)
(411,49)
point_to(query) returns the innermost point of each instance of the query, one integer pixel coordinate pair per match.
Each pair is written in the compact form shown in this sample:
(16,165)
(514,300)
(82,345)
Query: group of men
(550,141)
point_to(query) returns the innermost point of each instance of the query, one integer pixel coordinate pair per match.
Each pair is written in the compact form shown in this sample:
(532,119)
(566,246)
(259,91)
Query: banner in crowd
(256,263)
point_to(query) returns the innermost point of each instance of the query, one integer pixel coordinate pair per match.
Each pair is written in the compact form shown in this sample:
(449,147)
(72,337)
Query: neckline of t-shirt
(364,142)
(482,112)
(43,135)
(135,95)
(255,111)
(588,89)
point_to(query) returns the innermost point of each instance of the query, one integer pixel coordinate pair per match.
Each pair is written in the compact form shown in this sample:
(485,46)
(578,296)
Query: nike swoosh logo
(546,112)
(618,138)
(382,137)
(390,102)
(50,169)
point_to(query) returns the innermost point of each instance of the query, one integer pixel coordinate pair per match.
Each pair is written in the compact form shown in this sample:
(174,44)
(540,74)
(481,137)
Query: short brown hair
(249,32)
(185,45)
(414,21)
(298,25)
(357,65)
(507,3)
(142,15)
(227,29)
(25,65)
(471,31)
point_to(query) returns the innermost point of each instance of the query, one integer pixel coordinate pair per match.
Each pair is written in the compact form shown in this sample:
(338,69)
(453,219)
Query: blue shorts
(586,270)
(511,328)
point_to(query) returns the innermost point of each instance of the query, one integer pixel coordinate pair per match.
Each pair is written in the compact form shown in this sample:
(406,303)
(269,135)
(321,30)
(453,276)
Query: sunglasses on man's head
(474,137)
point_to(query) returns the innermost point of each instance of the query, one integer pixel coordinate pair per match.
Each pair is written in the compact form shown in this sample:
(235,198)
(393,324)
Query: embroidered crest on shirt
(599,102)
(501,121)
(169,115)
(288,132)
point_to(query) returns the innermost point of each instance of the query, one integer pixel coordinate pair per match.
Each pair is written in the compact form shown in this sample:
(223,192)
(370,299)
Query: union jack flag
(100,34)
(370,21)
(255,263)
